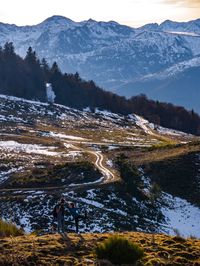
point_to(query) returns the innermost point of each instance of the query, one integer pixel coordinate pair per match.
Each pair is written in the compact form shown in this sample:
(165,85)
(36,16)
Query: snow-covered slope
(178,84)
(40,144)
(174,70)
(191,27)
(187,27)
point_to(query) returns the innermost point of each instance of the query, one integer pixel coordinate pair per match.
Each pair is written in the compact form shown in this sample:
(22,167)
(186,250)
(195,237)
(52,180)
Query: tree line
(26,77)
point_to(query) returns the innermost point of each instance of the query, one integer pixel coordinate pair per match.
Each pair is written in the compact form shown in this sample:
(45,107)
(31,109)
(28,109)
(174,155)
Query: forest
(27,77)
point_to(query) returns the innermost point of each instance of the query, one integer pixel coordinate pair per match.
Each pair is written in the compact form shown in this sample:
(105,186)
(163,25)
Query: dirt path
(99,164)
(107,175)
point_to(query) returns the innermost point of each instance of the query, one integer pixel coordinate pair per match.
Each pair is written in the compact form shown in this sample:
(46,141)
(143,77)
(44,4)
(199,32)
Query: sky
(129,12)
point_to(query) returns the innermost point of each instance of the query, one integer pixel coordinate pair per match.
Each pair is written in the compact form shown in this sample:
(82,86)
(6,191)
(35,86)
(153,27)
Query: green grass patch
(163,145)
(118,250)
(9,229)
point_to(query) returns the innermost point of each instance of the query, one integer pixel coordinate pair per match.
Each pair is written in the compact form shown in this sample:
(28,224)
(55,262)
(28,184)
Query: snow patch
(168,131)
(27,148)
(87,109)
(88,183)
(4,175)
(181,215)
(17,99)
(142,123)
(62,136)
(50,93)
(193,34)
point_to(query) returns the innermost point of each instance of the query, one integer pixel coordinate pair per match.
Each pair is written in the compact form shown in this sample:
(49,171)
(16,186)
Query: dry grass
(158,153)
(79,249)
(9,229)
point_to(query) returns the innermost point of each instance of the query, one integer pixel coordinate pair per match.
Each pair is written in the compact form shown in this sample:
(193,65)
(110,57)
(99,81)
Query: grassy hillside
(79,249)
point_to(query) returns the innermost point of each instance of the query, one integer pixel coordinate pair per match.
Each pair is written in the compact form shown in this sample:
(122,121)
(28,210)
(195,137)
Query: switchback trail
(107,176)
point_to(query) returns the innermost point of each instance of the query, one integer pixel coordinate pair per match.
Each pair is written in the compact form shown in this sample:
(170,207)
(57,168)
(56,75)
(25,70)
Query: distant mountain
(107,52)
(179,84)
(190,27)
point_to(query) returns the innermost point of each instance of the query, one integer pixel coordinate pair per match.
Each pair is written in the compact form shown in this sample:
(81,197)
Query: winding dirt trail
(107,175)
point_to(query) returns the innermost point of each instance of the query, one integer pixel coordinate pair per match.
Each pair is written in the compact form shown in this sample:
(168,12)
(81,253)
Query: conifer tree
(9,49)
(55,69)
(31,56)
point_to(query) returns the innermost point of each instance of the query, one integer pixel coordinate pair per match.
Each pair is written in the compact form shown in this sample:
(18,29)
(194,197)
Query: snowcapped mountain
(190,27)
(109,53)
(178,84)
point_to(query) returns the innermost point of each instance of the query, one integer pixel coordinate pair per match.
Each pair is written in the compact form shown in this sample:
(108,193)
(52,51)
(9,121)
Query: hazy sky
(130,12)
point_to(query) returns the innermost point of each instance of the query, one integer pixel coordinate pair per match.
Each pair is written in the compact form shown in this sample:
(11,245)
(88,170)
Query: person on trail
(74,211)
(59,215)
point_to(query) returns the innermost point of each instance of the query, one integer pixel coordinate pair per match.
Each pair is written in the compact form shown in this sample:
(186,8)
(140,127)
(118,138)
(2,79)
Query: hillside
(79,249)
(108,163)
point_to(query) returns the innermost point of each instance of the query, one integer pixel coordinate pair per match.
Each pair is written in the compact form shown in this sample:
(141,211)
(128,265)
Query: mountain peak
(192,26)
(90,20)
(167,21)
(150,26)
(57,20)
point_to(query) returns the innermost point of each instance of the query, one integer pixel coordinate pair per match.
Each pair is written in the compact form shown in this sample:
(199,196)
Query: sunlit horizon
(134,13)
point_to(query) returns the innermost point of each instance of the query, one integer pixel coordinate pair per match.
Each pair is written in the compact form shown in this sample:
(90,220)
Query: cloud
(184,3)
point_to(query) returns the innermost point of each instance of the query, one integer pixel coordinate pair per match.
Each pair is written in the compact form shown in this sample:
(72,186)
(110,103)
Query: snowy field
(27,148)
(181,216)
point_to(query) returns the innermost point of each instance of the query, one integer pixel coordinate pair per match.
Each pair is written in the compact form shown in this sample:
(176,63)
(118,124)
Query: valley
(105,162)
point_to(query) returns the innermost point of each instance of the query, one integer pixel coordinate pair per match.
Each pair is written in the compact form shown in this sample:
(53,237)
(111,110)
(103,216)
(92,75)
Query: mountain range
(161,61)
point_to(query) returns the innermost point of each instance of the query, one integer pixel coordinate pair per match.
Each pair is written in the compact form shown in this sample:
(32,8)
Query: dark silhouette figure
(74,211)
(59,215)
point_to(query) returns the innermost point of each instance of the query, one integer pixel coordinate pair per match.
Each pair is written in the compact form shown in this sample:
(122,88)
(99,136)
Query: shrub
(9,229)
(155,191)
(179,239)
(130,175)
(119,250)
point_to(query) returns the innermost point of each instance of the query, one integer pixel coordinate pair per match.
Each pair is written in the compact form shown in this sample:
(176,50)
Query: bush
(9,229)
(119,250)
(130,176)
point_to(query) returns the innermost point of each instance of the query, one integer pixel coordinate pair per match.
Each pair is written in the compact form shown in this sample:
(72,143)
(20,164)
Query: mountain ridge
(67,19)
